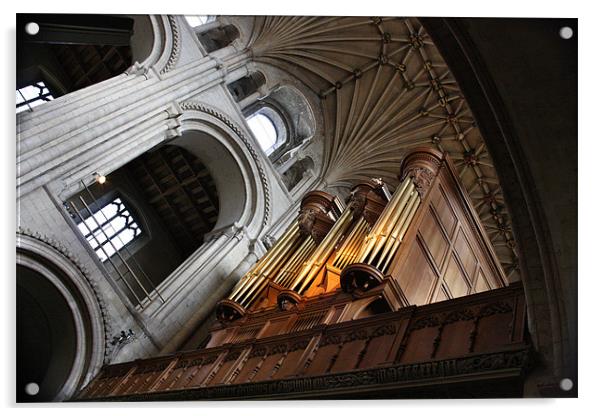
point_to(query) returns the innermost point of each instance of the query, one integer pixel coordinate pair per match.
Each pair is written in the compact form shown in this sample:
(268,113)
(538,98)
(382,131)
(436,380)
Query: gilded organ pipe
(393,215)
(291,277)
(350,245)
(258,271)
(384,217)
(383,220)
(322,252)
(356,246)
(384,238)
(396,234)
(405,227)
(274,264)
(295,261)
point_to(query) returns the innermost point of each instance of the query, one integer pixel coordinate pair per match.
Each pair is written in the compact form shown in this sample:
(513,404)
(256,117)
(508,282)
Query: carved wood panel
(480,324)
(434,238)
(419,277)
(268,367)
(444,254)
(251,366)
(290,364)
(175,375)
(454,339)
(456,280)
(198,376)
(226,365)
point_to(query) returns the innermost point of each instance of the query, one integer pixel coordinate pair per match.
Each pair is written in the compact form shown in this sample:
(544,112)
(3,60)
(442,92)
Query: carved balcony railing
(476,339)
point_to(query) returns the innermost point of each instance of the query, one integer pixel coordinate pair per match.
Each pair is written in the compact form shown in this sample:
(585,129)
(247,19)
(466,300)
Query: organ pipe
(386,235)
(322,252)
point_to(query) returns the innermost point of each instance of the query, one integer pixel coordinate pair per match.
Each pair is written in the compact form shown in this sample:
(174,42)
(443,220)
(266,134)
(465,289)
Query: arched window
(268,128)
(264,131)
(290,115)
(71,52)
(109,229)
(32,95)
(198,20)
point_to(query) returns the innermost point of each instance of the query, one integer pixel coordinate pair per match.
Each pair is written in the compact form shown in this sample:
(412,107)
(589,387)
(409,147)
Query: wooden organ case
(388,295)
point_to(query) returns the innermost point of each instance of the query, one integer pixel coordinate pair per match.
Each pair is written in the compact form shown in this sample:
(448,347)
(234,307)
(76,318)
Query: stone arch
(243,188)
(46,270)
(156,44)
(295,172)
(218,37)
(246,86)
(299,122)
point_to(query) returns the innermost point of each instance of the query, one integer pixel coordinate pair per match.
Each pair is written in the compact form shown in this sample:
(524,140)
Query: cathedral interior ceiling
(385,88)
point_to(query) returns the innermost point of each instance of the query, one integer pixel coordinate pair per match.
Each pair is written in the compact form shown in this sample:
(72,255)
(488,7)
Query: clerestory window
(264,131)
(268,128)
(32,95)
(198,20)
(109,229)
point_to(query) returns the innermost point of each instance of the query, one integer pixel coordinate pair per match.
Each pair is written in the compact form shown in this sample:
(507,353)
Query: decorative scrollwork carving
(258,352)
(422,178)
(397,374)
(298,345)
(425,322)
(233,355)
(455,316)
(356,335)
(210,360)
(306,221)
(330,339)
(388,329)
(494,309)
(278,349)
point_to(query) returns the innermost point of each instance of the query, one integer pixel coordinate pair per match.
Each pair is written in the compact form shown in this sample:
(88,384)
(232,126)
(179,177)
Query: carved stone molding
(175,47)
(268,241)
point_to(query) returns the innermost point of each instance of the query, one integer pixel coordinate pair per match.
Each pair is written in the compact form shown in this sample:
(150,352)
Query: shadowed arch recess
(63,343)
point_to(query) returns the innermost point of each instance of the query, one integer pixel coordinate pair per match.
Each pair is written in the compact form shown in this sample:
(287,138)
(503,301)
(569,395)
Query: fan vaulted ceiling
(384,89)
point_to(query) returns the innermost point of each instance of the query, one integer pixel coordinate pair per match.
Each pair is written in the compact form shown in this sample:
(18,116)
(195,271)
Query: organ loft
(398,286)
(295,207)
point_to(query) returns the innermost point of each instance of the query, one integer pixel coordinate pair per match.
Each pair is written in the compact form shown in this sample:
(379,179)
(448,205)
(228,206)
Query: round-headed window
(265,131)
(198,20)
